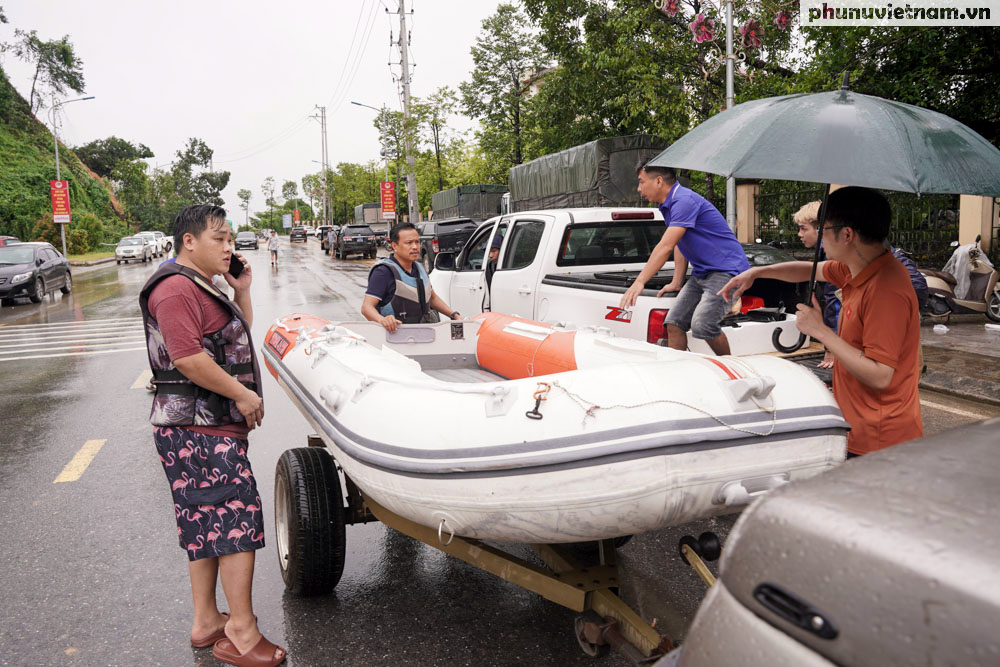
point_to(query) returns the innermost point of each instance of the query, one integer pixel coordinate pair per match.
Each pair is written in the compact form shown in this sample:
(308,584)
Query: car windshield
(609,242)
(299,229)
(245,235)
(358,229)
(454,225)
(16,255)
(130,242)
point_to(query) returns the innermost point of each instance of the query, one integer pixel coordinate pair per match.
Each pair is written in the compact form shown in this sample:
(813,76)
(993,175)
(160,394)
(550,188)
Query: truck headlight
(20,278)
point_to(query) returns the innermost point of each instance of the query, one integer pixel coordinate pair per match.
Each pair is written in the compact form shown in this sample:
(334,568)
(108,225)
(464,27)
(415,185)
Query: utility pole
(325,163)
(404,58)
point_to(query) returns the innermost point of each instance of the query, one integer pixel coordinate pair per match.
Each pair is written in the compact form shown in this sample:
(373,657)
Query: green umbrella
(840,137)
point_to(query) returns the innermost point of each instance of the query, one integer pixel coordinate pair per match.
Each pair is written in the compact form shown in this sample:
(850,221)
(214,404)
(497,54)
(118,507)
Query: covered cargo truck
(598,173)
(477,202)
(371,214)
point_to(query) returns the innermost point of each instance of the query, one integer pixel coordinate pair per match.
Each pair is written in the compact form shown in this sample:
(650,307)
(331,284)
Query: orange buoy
(516,348)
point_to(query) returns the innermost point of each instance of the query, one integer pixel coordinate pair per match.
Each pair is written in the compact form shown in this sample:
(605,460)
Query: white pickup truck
(571,266)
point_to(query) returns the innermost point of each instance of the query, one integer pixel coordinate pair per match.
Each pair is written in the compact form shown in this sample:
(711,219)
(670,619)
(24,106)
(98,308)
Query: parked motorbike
(966,285)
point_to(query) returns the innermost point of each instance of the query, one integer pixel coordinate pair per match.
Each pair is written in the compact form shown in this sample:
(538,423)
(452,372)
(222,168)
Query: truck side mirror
(445,261)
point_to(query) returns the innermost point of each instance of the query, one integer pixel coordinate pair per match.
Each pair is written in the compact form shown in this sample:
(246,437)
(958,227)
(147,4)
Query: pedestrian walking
(696,233)
(272,247)
(208,398)
(876,351)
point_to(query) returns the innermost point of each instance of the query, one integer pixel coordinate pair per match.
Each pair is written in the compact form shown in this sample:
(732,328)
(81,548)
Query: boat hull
(565,478)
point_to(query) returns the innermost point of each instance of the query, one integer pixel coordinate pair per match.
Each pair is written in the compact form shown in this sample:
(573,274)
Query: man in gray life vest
(399,289)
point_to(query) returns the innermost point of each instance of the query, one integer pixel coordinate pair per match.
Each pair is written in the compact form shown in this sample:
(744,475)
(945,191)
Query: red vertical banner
(60,201)
(388,190)
(295,214)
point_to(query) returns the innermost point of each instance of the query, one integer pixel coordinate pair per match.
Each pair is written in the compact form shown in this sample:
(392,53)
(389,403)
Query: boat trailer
(605,620)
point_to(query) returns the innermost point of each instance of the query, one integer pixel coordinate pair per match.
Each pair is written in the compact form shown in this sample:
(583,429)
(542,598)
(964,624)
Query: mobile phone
(235,266)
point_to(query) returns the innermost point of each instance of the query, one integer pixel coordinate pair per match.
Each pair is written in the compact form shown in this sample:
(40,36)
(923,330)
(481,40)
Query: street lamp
(385,152)
(55,141)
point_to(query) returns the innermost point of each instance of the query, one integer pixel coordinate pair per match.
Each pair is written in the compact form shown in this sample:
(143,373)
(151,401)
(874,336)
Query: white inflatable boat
(503,429)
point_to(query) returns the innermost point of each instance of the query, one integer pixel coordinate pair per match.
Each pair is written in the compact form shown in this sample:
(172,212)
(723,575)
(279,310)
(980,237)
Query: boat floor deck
(463,375)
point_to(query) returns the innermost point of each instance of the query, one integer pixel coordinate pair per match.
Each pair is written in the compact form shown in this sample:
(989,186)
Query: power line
(347,58)
(358,60)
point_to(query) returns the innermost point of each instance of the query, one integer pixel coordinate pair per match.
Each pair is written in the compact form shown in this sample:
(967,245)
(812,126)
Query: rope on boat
(590,408)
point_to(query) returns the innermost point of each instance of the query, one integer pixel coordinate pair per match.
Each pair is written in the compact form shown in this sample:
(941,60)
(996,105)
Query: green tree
(268,189)
(505,59)
(245,196)
(289,190)
(432,116)
(77,242)
(103,156)
(953,70)
(57,67)
(195,181)
(92,228)
(46,230)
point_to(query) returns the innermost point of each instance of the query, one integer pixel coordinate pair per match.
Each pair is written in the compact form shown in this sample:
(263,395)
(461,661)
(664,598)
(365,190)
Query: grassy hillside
(27,164)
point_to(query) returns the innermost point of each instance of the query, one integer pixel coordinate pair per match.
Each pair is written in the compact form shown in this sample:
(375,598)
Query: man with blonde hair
(807,220)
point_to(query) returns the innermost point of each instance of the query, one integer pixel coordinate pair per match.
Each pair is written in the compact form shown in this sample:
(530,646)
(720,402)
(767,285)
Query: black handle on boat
(787,349)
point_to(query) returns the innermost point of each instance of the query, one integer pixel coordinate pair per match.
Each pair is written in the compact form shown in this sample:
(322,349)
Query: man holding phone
(208,398)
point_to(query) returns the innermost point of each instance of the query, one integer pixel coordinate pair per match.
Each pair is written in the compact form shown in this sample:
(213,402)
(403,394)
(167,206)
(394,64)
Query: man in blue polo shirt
(399,290)
(698,231)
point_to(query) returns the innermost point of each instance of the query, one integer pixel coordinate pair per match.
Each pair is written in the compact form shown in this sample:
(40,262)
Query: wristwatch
(455,314)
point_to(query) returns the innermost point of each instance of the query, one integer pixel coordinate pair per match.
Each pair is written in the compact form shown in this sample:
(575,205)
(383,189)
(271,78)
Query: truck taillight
(751,303)
(435,246)
(655,329)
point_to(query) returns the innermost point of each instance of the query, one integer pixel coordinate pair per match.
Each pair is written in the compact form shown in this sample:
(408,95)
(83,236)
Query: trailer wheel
(309,521)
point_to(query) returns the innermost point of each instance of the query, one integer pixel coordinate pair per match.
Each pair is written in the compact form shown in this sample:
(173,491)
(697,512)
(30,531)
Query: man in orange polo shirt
(876,354)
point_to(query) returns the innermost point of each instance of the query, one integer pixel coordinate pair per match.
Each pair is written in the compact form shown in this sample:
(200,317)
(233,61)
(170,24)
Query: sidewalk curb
(94,262)
(971,389)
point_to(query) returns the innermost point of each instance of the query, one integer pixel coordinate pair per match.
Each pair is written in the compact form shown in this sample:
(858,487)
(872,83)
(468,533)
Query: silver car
(890,559)
(157,242)
(134,248)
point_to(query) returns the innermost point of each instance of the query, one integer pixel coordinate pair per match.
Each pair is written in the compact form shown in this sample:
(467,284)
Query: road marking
(44,341)
(72,354)
(142,380)
(948,408)
(10,327)
(73,342)
(78,465)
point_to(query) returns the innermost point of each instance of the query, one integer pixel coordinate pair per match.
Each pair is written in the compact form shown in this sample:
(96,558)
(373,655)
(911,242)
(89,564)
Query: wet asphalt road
(93,574)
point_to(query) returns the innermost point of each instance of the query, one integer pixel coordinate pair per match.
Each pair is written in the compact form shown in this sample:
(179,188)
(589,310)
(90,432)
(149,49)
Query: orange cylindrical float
(516,348)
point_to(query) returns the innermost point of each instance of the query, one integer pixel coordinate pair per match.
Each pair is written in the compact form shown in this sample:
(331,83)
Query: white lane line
(72,354)
(78,464)
(947,408)
(69,323)
(87,346)
(138,337)
(142,380)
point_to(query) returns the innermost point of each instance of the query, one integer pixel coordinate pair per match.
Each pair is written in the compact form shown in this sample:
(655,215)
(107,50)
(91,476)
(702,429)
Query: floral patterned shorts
(215,495)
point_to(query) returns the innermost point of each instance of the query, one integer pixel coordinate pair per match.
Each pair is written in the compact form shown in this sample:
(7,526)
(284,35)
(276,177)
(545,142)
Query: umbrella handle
(787,349)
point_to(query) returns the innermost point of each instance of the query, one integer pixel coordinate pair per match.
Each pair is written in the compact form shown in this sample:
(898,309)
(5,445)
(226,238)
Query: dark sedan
(356,240)
(298,234)
(246,240)
(32,270)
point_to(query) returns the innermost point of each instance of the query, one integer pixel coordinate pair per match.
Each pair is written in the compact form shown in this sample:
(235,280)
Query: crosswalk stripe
(947,408)
(9,327)
(88,345)
(70,339)
(72,354)
(78,464)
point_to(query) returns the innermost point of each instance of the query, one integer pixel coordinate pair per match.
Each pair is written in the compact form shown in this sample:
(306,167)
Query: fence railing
(923,226)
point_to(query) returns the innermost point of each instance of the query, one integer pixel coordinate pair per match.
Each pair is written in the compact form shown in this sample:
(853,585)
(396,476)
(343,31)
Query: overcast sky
(244,76)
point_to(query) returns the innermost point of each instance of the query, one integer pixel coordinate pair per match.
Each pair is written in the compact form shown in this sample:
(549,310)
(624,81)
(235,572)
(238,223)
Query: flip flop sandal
(261,655)
(211,639)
